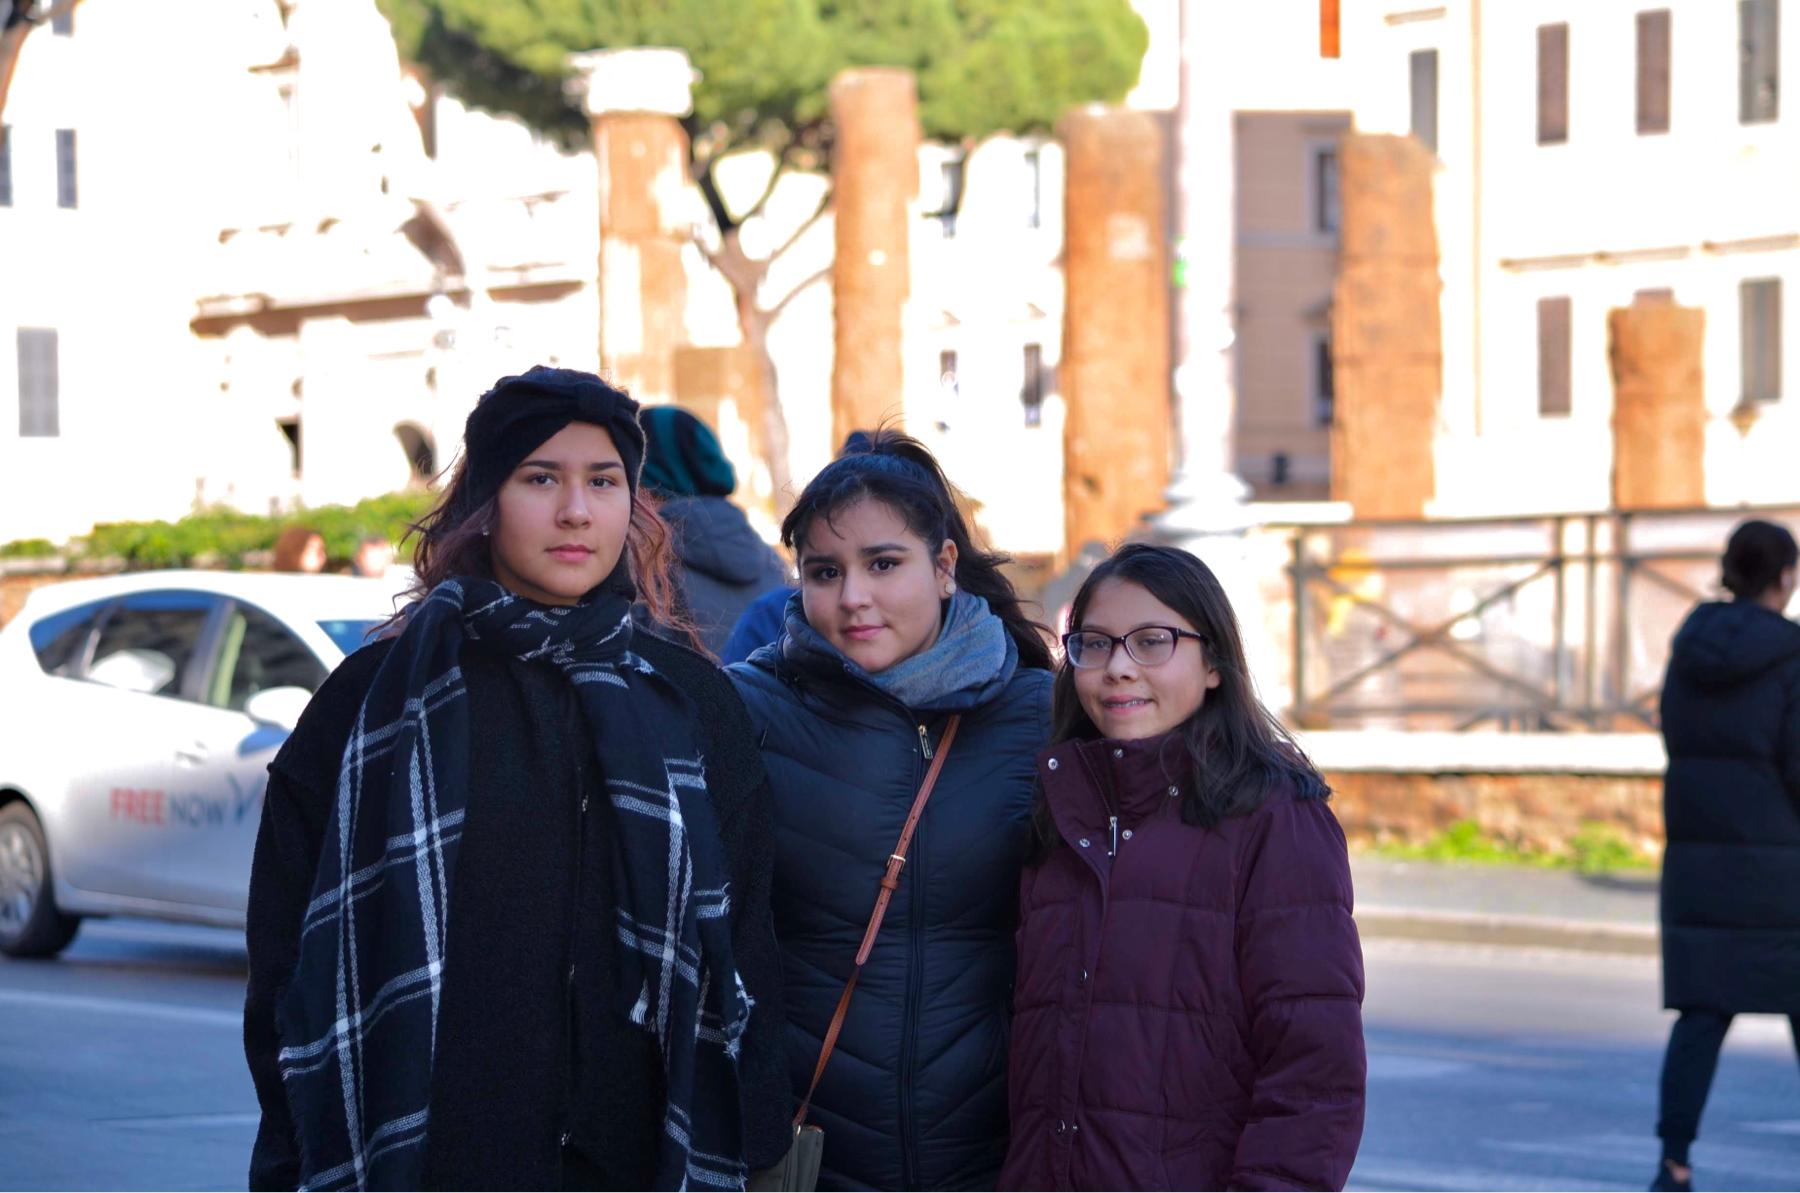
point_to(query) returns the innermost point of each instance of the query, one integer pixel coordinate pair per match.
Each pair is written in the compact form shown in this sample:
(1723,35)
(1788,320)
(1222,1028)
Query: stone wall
(1539,811)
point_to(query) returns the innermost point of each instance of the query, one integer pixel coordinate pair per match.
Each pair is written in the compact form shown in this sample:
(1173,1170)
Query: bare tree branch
(715,201)
(774,312)
(805,225)
(782,161)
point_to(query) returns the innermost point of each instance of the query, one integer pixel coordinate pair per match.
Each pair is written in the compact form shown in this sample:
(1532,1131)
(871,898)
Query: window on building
(1759,61)
(1031,391)
(38,383)
(1759,323)
(65,167)
(290,430)
(1326,202)
(947,379)
(421,452)
(1423,91)
(62,22)
(1034,164)
(1324,381)
(5,165)
(952,174)
(1553,84)
(1653,47)
(1554,380)
(1281,469)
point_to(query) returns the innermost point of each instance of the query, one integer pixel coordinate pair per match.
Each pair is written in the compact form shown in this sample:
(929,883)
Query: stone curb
(1519,931)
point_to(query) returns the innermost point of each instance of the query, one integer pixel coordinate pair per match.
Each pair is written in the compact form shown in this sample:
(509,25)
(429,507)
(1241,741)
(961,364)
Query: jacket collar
(1088,782)
(802,653)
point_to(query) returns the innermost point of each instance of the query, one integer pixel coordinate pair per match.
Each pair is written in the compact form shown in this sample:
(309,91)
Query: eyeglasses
(1148,646)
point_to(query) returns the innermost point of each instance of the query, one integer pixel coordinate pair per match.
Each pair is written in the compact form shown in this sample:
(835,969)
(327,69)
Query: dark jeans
(1688,1072)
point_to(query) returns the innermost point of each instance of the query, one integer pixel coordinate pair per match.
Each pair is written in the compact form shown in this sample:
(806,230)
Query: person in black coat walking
(1731,807)
(901,623)
(509,910)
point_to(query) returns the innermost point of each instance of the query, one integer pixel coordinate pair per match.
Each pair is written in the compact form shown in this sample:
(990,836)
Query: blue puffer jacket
(915,1095)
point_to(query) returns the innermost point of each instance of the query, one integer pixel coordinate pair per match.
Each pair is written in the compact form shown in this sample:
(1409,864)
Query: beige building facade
(1594,154)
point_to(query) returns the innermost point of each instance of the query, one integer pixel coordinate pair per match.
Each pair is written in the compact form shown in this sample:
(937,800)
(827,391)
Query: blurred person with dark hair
(374,556)
(906,639)
(723,565)
(300,549)
(1731,807)
(762,620)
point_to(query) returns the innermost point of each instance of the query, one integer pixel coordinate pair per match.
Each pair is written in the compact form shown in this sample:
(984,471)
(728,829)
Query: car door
(222,769)
(122,730)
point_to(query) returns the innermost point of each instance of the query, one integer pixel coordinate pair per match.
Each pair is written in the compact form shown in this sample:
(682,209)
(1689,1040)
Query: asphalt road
(1490,1068)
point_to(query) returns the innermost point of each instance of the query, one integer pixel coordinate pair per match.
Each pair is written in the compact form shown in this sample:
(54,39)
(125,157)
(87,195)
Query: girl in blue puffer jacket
(901,624)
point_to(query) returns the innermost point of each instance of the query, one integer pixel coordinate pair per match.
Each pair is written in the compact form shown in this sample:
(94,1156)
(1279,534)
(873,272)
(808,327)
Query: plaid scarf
(360,1018)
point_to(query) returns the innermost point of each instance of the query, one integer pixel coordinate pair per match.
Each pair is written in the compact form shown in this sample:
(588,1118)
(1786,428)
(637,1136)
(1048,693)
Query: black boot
(1667,1182)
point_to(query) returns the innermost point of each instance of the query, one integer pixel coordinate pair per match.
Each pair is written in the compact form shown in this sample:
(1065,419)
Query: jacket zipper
(915,971)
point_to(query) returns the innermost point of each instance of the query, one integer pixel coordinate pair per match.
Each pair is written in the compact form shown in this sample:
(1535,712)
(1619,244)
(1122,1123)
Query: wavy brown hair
(453,541)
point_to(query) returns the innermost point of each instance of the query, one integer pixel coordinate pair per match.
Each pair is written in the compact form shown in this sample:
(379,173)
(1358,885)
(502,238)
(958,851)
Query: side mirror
(280,707)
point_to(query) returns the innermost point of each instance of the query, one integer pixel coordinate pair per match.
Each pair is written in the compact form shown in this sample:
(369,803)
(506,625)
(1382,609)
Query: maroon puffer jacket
(1188,1012)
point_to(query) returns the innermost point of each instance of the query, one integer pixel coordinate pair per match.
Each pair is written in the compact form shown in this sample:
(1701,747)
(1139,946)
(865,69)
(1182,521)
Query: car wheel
(30,924)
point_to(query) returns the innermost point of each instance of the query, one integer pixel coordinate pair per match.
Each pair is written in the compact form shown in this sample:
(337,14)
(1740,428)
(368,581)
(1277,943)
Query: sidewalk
(1506,905)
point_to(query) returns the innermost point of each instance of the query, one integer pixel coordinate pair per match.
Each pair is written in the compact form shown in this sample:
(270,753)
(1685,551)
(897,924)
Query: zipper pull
(1113,822)
(924,743)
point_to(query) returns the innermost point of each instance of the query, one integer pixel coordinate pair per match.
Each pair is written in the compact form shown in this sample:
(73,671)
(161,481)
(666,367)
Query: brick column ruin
(1386,335)
(875,177)
(634,99)
(1659,406)
(1115,356)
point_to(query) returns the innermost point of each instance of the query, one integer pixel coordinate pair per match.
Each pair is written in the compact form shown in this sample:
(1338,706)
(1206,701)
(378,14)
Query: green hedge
(225,537)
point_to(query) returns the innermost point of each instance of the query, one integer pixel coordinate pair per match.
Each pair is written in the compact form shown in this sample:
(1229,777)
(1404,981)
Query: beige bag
(798,1171)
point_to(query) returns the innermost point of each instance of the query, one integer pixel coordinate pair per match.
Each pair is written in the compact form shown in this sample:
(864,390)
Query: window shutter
(65,167)
(38,383)
(1759,316)
(1553,84)
(1423,90)
(1759,61)
(1653,43)
(1553,356)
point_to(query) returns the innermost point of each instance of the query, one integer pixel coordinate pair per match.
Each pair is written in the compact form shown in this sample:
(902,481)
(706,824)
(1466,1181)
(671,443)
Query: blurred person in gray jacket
(723,564)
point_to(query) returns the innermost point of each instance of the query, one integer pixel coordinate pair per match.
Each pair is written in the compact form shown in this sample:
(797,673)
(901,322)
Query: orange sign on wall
(1328,28)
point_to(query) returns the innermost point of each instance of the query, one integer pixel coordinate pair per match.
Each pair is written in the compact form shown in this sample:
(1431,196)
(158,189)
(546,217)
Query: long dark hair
(1755,556)
(453,541)
(901,473)
(1237,752)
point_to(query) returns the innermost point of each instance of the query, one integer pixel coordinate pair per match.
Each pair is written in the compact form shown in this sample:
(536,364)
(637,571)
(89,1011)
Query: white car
(138,715)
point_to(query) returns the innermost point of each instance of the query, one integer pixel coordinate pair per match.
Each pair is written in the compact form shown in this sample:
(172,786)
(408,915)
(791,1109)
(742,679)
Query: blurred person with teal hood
(723,565)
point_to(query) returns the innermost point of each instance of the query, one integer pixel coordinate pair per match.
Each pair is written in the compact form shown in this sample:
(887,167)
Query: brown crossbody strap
(890,882)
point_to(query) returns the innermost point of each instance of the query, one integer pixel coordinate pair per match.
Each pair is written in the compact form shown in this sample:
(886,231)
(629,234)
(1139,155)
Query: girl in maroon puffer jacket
(1188,1008)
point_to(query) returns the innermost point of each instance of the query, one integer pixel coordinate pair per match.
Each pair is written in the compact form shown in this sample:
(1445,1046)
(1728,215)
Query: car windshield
(348,632)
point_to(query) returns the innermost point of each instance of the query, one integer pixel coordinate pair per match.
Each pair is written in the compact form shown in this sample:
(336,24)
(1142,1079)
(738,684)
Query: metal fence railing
(1552,623)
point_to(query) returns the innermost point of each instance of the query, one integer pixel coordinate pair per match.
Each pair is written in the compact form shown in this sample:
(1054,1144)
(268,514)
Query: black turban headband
(520,413)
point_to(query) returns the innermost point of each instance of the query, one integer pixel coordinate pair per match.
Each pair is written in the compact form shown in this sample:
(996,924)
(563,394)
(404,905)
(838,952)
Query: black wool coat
(540,1082)
(915,1095)
(1731,804)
